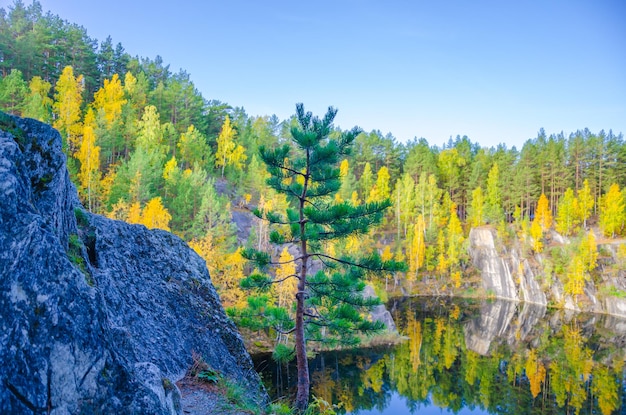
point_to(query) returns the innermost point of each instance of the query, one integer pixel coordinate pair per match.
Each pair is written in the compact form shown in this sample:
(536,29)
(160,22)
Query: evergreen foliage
(329,303)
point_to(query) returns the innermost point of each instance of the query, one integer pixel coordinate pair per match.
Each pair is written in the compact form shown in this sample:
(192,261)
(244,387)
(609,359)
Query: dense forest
(145,146)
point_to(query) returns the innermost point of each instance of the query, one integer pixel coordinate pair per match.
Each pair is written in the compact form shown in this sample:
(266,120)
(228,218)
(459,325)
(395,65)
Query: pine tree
(13,92)
(328,303)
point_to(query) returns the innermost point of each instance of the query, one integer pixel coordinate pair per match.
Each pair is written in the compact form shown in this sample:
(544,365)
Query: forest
(144,146)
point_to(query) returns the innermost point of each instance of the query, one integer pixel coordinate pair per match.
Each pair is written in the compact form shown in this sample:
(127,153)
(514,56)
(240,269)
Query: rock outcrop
(506,274)
(496,274)
(97,316)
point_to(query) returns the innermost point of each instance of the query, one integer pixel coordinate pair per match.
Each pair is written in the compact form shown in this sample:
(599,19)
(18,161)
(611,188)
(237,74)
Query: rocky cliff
(507,274)
(97,316)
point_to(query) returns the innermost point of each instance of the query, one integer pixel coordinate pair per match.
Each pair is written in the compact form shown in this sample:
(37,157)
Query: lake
(473,357)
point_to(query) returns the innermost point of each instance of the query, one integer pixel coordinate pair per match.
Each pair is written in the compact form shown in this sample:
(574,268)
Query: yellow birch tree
(287,285)
(543,215)
(381,189)
(418,248)
(612,212)
(110,99)
(67,101)
(89,157)
(228,152)
(585,202)
(155,215)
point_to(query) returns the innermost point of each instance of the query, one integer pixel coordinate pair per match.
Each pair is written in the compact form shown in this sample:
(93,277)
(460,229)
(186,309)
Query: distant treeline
(145,146)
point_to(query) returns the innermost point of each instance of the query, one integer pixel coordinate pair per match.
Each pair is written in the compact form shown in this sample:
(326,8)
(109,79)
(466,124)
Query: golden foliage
(89,157)
(110,99)
(417,249)
(613,212)
(381,189)
(155,215)
(536,235)
(287,286)
(543,214)
(67,101)
(226,269)
(535,372)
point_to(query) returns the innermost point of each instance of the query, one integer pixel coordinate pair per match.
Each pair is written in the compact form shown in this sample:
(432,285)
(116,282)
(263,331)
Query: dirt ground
(200,398)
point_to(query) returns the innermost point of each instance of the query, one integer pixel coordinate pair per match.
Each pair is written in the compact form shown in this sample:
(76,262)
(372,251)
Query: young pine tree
(329,304)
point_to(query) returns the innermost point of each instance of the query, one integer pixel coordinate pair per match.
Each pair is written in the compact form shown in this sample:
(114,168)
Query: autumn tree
(155,215)
(405,202)
(348,181)
(612,211)
(228,151)
(477,208)
(536,235)
(328,303)
(67,107)
(455,237)
(417,249)
(543,214)
(286,284)
(585,203)
(381,189)
(38,104)
(89,157)
(493,206)
(427,198)
(193,149)
(366,181)
(567,213)
(110,99)
(588,252)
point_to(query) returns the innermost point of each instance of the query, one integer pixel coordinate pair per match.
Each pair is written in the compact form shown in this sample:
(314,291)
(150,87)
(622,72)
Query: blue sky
(496,71)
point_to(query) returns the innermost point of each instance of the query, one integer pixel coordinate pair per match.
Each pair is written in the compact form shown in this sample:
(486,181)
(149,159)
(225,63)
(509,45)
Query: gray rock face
(494,320)
(496,274)
(380,312)
(529,288)
(110,335)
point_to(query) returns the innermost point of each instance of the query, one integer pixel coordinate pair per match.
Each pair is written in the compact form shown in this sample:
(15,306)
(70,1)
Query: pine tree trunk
(302,396)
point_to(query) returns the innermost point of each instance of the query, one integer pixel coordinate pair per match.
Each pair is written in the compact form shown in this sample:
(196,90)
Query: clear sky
(496,71)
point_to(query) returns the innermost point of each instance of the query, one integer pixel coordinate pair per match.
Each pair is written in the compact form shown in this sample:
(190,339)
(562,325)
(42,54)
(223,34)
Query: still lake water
(474,357)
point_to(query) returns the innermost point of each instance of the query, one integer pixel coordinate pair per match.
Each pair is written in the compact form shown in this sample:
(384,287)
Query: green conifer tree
(330,303)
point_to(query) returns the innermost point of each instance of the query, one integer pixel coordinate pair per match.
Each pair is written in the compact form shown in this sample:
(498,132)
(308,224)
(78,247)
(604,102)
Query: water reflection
(461,357)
